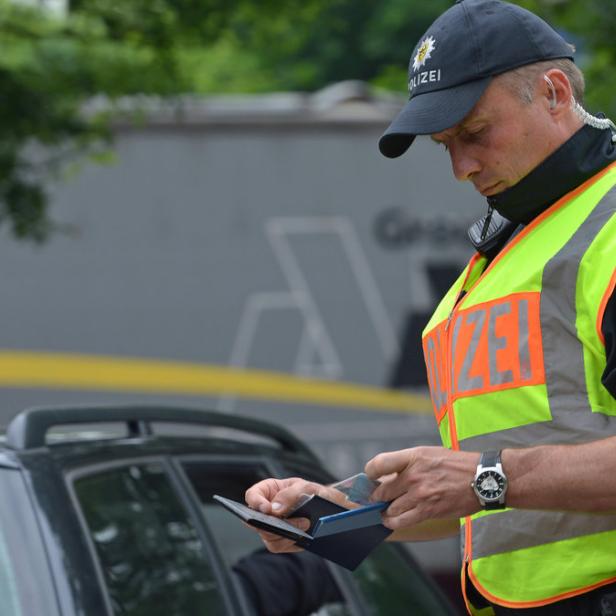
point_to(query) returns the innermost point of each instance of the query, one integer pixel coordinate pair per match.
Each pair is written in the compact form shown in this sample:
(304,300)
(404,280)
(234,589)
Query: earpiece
(552,92)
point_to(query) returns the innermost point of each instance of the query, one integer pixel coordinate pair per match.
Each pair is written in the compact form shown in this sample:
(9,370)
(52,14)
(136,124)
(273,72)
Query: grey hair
(522,81)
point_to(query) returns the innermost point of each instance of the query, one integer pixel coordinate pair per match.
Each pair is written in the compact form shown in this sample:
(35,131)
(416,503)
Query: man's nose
(463,163)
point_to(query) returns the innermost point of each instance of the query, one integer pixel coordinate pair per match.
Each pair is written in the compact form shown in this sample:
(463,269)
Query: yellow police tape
(24,369)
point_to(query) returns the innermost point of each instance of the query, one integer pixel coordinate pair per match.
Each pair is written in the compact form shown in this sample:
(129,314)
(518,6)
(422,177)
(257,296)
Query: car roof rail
(28,429)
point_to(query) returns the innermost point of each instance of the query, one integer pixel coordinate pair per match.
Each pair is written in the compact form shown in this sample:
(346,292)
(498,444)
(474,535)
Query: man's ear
(557,90)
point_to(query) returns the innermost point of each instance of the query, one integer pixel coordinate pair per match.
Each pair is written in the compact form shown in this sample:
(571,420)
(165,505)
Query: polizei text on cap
(424,77)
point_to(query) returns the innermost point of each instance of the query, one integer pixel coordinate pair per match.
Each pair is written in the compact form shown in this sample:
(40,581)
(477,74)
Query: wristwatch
(490,483)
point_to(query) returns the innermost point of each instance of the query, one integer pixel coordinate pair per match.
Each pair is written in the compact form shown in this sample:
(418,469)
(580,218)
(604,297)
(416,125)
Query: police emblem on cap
(426,47)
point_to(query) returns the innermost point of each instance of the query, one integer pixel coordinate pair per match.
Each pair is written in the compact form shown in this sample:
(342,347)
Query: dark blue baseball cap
(456,59)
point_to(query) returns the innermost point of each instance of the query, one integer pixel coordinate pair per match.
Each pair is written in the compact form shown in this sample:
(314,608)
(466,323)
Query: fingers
(391,489)
(392,470)
(429,483)
(301,523)
(407,518)
(279,496)
(272,495)
(287,500)
(277,544)
(260,495)
(389,462)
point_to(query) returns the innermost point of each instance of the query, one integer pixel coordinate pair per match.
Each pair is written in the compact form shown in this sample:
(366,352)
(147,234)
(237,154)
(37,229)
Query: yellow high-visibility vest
(515,354)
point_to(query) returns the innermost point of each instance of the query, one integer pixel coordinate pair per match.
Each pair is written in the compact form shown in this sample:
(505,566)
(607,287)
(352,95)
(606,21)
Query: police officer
(521,352)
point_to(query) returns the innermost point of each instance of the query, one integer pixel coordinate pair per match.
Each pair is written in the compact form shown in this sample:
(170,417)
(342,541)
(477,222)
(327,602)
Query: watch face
(490,485)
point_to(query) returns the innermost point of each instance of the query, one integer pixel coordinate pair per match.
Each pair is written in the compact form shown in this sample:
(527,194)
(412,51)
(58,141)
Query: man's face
(501,140)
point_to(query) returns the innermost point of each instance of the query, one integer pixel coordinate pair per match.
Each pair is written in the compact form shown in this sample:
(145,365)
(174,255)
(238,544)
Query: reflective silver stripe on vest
(509,530)
(525,367)
(563,355)
(495,343)
(454,343)
(465,381)
(439,395)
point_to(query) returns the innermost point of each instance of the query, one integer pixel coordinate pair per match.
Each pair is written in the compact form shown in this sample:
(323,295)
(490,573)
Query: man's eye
(473,135)
(444,145)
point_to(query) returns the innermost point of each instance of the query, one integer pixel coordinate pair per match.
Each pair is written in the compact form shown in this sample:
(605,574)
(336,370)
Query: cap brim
(431,112)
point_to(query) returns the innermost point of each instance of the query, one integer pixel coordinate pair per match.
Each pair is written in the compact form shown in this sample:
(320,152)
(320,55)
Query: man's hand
(278,497)
(425,483)
(277,544)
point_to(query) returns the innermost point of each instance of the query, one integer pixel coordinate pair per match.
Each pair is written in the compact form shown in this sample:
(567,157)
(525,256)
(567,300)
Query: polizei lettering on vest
(494,345)
(424,77)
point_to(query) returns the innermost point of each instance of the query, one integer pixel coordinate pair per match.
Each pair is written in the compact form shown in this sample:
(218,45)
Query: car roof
(72,433)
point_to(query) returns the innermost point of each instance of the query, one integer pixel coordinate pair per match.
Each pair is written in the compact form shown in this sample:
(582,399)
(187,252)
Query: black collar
(587,152)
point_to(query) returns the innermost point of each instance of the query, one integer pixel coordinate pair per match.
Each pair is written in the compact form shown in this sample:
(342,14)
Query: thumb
(287,500)
(389,462)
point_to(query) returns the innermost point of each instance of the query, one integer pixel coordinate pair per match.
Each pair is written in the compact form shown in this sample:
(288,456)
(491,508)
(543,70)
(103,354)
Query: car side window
(230,480)
(150,553)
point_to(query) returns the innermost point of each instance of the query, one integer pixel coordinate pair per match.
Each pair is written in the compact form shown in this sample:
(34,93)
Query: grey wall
(252,246)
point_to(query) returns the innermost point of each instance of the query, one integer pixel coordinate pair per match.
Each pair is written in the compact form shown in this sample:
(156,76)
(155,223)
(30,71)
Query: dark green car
(108,510)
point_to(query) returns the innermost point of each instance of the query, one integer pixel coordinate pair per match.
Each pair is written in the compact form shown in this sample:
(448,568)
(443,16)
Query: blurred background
(194,211)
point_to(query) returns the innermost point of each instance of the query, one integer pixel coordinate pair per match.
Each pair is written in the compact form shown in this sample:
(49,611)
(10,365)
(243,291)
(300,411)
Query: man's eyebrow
(473,123)
(439,141)
(470,123)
